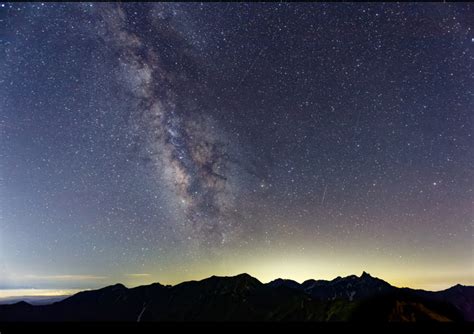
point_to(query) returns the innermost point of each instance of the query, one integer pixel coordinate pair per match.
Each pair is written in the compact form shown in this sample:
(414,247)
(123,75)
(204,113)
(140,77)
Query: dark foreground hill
(244,298)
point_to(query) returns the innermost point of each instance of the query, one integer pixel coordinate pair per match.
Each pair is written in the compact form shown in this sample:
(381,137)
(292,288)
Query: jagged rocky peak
(365,275)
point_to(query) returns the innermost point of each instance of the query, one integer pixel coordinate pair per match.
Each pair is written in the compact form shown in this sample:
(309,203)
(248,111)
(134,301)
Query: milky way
(187,148)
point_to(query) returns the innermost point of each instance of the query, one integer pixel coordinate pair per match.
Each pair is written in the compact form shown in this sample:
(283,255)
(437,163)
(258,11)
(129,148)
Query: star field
(170,141)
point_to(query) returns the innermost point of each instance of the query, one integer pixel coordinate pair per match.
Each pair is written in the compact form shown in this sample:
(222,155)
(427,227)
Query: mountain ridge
(245,298)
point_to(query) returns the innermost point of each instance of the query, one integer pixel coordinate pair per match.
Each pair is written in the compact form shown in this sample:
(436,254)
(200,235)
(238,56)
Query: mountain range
(244,298)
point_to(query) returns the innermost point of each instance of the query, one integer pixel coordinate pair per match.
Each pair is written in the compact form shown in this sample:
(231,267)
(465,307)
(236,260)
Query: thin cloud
(66,277)
(138,275)
(14,293)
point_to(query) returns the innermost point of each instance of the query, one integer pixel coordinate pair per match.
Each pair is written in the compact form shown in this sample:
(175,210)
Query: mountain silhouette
(245,298)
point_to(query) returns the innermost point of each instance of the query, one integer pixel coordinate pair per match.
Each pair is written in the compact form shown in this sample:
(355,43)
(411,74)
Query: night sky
(165,142)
